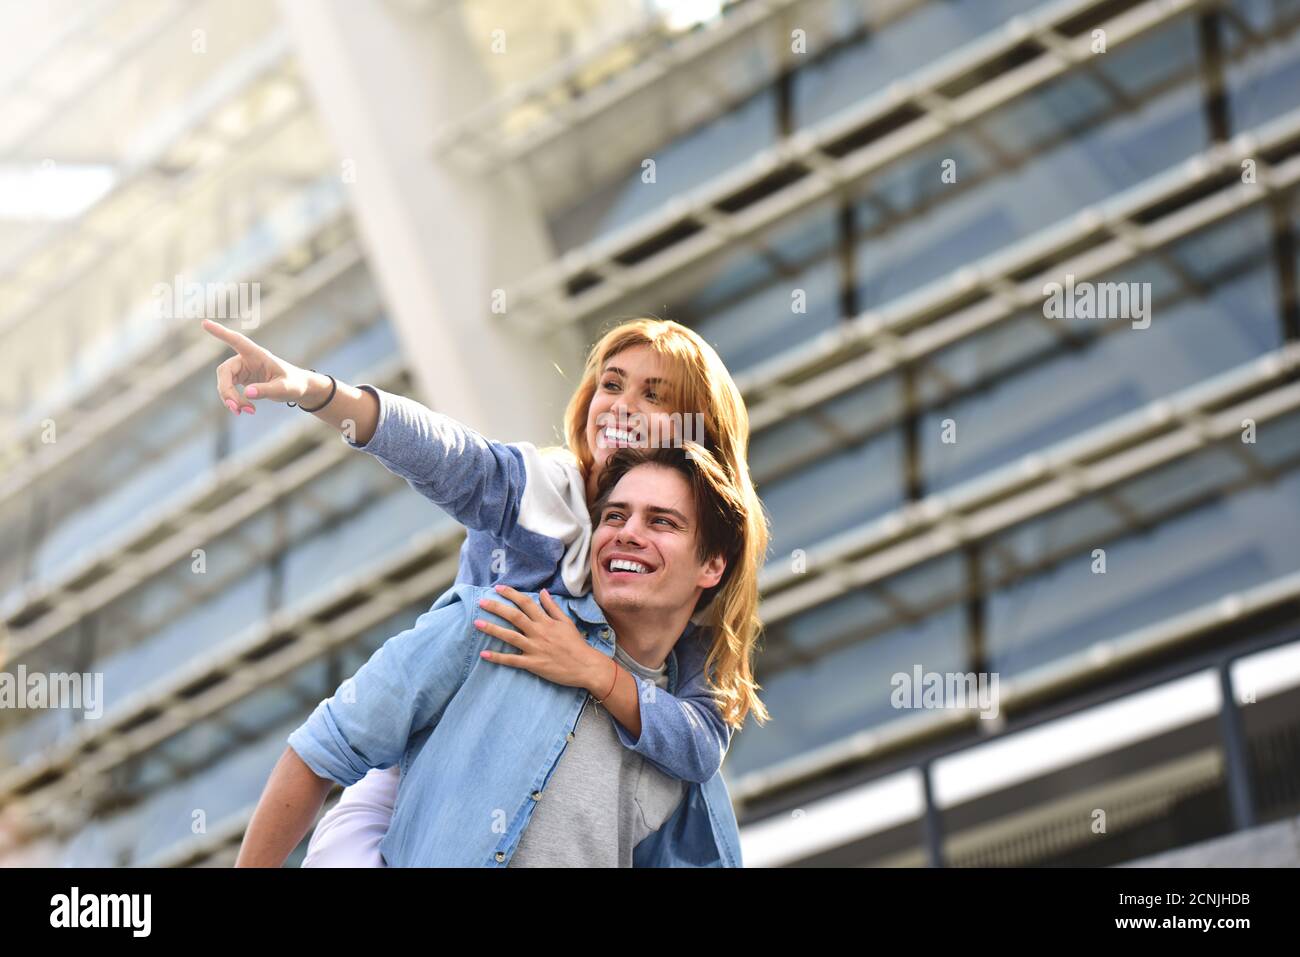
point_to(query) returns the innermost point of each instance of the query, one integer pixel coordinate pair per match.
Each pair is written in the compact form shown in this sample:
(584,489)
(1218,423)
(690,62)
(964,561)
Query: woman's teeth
(619,437)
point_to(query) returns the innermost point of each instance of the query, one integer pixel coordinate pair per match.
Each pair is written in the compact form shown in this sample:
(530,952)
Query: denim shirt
(477,741)
(529,528)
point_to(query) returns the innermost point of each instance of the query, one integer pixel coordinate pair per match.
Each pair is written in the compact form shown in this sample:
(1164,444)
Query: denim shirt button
(569,736)
(500,856)
(537,795)
(604,632)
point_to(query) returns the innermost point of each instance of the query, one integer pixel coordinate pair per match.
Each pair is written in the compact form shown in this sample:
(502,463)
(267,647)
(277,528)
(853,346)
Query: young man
(502,767)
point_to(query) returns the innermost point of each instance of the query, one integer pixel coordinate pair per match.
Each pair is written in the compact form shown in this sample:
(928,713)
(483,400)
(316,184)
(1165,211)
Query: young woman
(529,529)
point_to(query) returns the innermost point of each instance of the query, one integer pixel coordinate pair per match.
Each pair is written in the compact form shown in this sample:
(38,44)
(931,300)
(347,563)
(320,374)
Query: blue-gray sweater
(528,527)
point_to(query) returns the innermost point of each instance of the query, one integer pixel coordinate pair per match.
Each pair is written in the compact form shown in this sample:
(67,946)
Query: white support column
(438,242)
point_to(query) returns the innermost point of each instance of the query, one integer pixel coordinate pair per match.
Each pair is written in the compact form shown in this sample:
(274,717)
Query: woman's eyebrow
(653,380)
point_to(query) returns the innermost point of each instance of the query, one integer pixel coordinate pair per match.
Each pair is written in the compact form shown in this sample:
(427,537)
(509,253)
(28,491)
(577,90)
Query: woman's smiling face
(631,404)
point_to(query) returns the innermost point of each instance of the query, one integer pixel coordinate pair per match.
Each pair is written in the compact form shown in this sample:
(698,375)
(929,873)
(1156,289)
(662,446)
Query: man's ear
(711,571)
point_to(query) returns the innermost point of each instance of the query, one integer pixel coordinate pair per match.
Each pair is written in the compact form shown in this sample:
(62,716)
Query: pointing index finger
(236,340)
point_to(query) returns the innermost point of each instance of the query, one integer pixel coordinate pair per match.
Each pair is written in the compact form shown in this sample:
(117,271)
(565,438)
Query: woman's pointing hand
(262,374)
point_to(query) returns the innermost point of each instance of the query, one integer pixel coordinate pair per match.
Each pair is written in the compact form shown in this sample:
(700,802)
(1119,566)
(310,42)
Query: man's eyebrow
(661,510)
(653,380)
(652,509)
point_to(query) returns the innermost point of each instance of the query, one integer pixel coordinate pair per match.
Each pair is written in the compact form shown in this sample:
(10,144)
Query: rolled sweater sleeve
(683,735)
(478,481)
(514,492)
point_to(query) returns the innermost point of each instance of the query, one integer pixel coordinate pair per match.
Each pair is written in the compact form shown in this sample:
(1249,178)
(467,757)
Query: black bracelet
(333,386)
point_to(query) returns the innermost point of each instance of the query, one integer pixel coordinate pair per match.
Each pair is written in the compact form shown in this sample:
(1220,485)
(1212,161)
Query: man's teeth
(623,565)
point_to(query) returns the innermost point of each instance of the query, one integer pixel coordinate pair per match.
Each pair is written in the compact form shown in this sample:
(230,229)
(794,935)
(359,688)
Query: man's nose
(630,533)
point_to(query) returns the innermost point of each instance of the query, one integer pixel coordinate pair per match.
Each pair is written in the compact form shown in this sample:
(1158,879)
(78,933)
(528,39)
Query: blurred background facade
(859,203)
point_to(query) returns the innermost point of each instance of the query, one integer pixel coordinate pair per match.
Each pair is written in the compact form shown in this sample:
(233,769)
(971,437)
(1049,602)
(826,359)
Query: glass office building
(1011,288)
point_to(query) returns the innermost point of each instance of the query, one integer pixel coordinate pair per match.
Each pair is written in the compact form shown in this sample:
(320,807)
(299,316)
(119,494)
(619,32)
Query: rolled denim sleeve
(403,688)
(683,735)
(479,482)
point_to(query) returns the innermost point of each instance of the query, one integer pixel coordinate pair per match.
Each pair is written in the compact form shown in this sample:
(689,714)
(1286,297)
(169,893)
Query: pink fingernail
(251,392)
(485,654)
(231,406)
(251,410)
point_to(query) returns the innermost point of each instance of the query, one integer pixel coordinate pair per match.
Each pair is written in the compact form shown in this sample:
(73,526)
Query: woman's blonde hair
(700,383)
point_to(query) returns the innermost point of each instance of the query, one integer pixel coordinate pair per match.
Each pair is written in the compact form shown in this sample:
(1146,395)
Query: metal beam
(1110,656)
(637,70)
(1160,432)
(29,459)
(229,673)
(820,161)
(935,319)
(246,485)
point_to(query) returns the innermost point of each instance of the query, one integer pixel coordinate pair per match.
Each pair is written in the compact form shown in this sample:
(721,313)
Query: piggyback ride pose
(646,382)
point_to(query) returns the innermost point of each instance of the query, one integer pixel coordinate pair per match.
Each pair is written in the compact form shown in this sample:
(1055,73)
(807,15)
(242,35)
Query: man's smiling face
(645,546)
